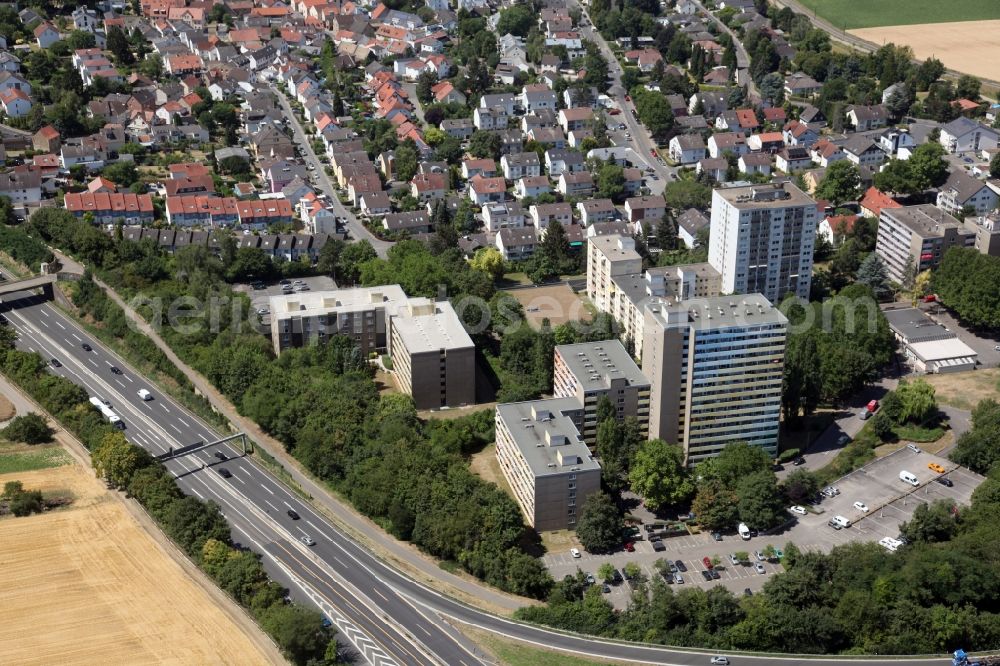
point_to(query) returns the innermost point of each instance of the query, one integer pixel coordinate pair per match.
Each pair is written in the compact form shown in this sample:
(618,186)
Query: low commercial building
(545,460)
(715,367)
(589,371)
(929,346)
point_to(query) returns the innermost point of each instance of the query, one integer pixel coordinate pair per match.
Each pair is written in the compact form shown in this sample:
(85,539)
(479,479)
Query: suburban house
(864,118)
(863,151)
(962,190)
(638,209)
(687,148)
(964,135)
(801,85)
(483,190)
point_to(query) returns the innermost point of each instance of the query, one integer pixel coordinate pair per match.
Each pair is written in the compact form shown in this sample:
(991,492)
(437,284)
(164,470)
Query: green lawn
(26,461)
(850,14)
(510,653)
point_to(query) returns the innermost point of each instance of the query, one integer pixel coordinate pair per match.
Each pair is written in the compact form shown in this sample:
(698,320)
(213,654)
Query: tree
(30,428)
(873,274)
(666,232)
(761,505)
(995,166)
(555,245)
(917,403)
(298,630)
(684,194)
(882,426)
(965,282)
(517,20)
(351,259)
(425,82)
(611,182)
(800,486)
(772,88)
(931,523)
(485,144)
(928,166)
(842,182)
(600,524)
(654,112)
(900,100)
(716,505)
(26,503)
(490,261)
(606,572)
(659,475)
(968,87)
(122,173)
(119,46)
(116,459)
(406,161)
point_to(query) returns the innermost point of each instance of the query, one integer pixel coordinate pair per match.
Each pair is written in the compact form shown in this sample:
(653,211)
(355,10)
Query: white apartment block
(547,464)
(608,257)
(762,239)
(915,238)
(715,367)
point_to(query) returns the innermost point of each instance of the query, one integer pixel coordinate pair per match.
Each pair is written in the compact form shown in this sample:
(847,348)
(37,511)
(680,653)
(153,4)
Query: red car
(707,562)
(872,406)
(627,98)
(630,547)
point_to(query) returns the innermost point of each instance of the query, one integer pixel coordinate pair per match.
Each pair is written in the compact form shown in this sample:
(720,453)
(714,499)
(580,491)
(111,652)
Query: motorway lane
(253,502)
(357,229)
(373,626)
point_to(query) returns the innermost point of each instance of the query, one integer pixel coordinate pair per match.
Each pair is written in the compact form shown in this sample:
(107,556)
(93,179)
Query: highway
(386,616)
(356,228)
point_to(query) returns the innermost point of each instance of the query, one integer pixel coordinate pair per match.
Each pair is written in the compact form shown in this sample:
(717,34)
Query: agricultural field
(850,14)
(971,47)
(85,584)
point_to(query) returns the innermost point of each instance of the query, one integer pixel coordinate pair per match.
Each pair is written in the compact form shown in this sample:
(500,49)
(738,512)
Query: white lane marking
(266,488)
(119,382)
(382,596)
(237,477)
(291,507)
(60,325)
(270,505)
(195,491)
(175,428)
(79,339)
(31,349)
(44,311)
(110,364)
(166,409)
(186,425)
(91,361)
(129,379)
(43,323)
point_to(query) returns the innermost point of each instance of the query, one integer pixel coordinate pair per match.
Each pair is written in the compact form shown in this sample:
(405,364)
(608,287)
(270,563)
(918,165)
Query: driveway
(356,229)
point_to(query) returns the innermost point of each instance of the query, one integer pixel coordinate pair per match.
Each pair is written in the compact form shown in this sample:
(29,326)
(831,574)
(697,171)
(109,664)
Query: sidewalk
(403,556)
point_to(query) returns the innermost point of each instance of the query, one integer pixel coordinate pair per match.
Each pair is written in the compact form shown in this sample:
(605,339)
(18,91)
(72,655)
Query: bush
(30,429)
(26,503)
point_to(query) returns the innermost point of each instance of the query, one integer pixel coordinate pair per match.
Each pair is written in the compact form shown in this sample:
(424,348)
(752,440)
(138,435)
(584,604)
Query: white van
(909,477)
(145,395)
(840,520)
(744,531)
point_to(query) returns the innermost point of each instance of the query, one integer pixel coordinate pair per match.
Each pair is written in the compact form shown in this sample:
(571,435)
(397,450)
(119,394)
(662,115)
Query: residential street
(356,229)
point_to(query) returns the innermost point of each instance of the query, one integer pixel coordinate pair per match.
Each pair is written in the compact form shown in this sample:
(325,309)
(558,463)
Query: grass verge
(514,653)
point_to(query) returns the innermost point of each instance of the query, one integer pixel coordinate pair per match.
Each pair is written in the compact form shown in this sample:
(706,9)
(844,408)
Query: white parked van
(744,531)
(909,477)
(843,522)
(145,395)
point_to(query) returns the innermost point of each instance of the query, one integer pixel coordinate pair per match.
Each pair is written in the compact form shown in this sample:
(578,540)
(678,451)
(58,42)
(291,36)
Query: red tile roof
(104,202)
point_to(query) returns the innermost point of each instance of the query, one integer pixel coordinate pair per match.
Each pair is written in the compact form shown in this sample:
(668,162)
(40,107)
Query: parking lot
(260,298)
(890,502)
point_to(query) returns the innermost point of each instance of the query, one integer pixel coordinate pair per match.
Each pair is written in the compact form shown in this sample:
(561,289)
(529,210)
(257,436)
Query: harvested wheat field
(971,47)
(87,585)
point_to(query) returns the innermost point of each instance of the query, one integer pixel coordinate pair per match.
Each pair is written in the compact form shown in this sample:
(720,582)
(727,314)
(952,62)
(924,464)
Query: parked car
(707,562)
(944,481)
(800,510)
(934,467)
(706,574)
(606,589)
(629,547)
(714,573)
(759,568)
(575,552)
(678,579)
(680,566)
(733,559)
(872,406)
(864,415)
(720,661)
(759,555)
(799,461)
(861,506)
(747,592)
(717,536)
(913,447)
(591,579)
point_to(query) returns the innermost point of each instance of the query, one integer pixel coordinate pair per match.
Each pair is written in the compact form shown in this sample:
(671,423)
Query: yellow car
(934,467)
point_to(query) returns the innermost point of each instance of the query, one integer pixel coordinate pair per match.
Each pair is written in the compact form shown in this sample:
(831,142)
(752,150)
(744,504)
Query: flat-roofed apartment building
(915,238)
(435,355)
(432,356)
(715,368)
(589,370)
(545,460)
(762,239)
(618,286)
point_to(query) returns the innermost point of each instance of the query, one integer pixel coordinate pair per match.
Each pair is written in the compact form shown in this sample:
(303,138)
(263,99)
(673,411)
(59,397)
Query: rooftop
(913,325)
(428,326)
(596,364)
(616,248)
(717,312)
(770,195)
(925,220)
(546,437)
(315,303)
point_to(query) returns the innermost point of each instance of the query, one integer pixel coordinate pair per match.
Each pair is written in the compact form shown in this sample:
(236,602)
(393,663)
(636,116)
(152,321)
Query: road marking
(119,382)
(60,325)
(43,311)
(31,349)
(91,361)
(79,339)
(266,488)
(382,596)
(43,323)
(130,380)
(186,424)
(195,491)
(175,428)
(166,409)
(270,505)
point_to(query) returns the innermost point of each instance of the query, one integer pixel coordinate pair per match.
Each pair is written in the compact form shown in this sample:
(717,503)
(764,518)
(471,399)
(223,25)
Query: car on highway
(293,514)
(225,473)
(87,347)
(933,466)
(54,362)
(115,370)
(800,510)
(680,566)
(575,552)
(144,394)
(307,540)
(719,661)
(861,506)
(759,568)
(221,456)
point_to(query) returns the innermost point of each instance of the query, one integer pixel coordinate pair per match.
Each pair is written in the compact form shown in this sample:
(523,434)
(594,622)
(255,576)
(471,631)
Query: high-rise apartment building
(588,371)
(546,463)
(715,367)
(762,239)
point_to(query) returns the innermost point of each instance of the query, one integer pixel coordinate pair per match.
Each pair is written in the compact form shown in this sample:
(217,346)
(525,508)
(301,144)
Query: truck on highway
(961,658)
(108,413)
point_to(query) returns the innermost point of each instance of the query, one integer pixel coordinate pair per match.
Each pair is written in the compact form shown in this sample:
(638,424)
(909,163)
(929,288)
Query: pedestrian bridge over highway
(27,284)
